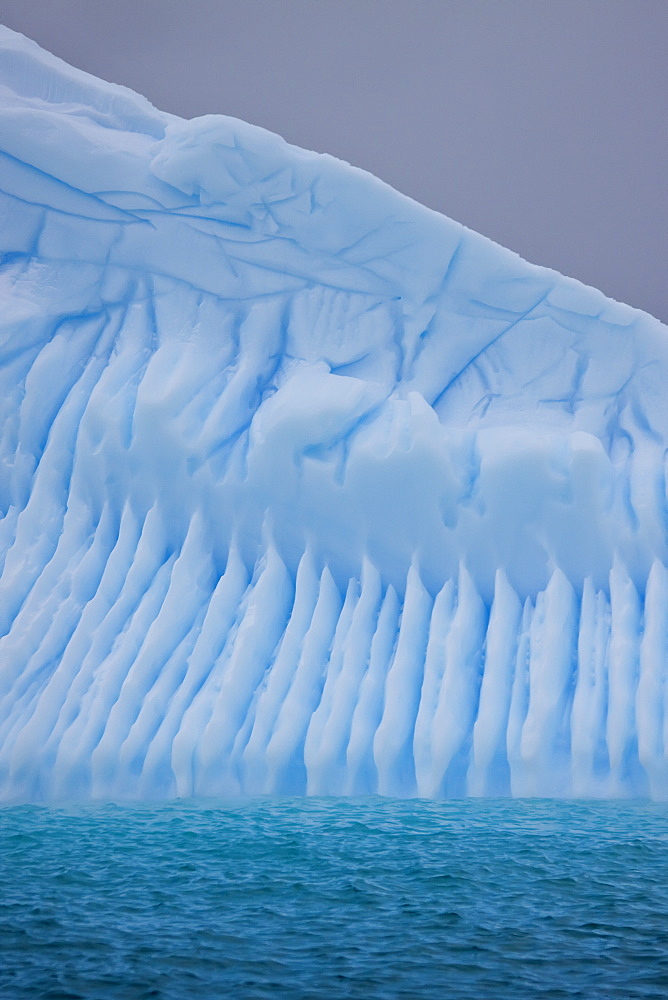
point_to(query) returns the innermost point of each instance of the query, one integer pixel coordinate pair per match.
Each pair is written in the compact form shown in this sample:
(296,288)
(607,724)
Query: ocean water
(335,898)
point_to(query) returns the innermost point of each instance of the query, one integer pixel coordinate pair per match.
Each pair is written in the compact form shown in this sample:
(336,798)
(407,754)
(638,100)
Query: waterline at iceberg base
(304,487)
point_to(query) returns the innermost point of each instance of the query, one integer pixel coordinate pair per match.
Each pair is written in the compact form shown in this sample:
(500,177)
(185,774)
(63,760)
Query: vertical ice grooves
(315,750)
(519,700)
(488,770)
(651,715)
(589,753)
(146,688)
(273,695)
(285,751)
(458,698)
(329,770)
(258,636)
(362,774)
(162,678)
(392,745)
(171,755)
(545,742)
(434,668)
(621,732)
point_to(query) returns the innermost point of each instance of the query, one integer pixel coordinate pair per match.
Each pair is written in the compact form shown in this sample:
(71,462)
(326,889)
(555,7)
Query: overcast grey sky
(541,123)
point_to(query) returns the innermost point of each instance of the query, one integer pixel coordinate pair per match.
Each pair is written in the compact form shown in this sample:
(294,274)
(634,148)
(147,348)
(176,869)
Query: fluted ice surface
(304,487)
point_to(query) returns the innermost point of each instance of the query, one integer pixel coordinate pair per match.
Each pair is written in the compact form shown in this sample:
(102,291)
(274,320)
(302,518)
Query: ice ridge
(305,488)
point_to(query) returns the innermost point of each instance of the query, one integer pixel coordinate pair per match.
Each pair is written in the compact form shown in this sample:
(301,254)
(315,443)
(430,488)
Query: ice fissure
(305,488)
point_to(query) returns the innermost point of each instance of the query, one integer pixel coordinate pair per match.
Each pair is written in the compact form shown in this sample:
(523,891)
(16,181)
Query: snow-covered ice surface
(304,487)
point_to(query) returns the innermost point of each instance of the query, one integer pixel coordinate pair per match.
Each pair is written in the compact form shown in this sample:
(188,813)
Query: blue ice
(305,488)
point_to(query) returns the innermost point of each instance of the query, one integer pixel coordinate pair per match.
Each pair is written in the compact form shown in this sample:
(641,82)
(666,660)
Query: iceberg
(305,488)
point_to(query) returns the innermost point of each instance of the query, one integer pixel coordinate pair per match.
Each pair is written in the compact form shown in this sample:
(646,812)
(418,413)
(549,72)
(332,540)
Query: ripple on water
(335,898)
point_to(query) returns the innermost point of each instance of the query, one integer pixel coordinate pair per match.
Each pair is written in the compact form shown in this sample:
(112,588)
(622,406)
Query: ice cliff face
(304,487)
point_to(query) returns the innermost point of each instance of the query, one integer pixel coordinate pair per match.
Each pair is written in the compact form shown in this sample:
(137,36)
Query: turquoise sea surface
(335,898)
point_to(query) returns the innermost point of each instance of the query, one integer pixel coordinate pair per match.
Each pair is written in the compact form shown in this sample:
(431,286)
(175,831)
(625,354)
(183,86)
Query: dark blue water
(335,898)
